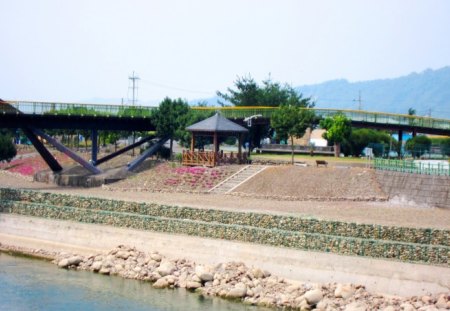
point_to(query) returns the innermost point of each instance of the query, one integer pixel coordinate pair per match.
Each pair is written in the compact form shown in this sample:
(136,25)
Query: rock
(123,255)
(344,291)
(389,308)
(63,263)
(75,260)
(407,307)
(156,257)
(441,302)
(193,285)
(161,283)
(105,271)
(258,273)
(313,296)
(205,274)
(166,268)
(238,291)
(427,300)
(96,266)
(356,306)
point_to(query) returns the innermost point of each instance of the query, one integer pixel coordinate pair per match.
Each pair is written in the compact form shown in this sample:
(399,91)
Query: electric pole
(134,87)
(359,100)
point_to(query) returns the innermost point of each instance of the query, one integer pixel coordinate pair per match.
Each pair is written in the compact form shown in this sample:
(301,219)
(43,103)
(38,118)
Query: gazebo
(215,127)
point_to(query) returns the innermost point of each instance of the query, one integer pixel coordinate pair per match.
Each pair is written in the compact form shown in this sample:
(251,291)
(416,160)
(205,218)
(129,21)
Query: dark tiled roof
(216,123)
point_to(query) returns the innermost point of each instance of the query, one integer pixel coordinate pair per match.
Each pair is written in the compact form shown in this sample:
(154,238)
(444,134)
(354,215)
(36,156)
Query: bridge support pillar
(414,133)
(94,138)
(400,143)
(45,154)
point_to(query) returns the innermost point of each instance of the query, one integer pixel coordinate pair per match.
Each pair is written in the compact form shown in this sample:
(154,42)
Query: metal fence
(414,167)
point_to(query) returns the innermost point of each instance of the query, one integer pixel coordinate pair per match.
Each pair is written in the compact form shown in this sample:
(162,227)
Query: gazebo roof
(217,123)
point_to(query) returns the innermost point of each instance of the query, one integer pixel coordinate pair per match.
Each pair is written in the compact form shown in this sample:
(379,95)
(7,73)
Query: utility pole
(359,100)
(134,87)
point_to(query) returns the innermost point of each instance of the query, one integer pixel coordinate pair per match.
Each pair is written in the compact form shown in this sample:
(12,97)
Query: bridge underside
(112,123)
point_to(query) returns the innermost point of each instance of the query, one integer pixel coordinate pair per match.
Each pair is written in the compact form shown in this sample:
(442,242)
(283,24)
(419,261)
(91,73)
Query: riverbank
(235,280)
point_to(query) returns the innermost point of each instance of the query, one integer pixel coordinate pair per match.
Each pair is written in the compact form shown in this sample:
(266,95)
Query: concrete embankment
(392,277)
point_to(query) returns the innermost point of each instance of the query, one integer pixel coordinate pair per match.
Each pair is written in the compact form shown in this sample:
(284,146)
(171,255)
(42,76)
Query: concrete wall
(392,277)
(428,190)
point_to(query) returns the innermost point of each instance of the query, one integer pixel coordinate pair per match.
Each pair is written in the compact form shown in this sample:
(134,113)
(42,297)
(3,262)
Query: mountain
(428,91)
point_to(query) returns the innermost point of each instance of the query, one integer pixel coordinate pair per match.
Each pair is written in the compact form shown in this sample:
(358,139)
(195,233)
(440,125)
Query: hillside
(425,91)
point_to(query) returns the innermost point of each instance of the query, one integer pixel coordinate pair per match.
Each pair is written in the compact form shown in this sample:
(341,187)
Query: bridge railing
(40,108)
(414,167)
(75,109)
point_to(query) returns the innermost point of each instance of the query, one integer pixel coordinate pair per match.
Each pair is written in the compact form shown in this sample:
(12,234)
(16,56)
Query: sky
(85,51)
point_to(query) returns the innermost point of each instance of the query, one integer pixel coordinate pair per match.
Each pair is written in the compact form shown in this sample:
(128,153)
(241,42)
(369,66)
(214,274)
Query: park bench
(321,162)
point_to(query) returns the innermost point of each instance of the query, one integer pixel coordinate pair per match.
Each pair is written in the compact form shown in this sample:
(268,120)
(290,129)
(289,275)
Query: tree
(338,128)
(411,111)
(361,138)
(418,145)
(270,94)
(247,93)
(170,119)
(7,148)
(291,121)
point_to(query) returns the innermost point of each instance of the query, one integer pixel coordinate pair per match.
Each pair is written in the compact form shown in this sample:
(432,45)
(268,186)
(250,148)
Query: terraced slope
(397,243)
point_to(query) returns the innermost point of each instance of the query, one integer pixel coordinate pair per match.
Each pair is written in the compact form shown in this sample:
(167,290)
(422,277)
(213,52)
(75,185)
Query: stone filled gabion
(400,243)
(234,280)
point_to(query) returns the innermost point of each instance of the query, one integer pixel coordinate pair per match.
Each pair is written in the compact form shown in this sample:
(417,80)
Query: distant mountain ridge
(427,91)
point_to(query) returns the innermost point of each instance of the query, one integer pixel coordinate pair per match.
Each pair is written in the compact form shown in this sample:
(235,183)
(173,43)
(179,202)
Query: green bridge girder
(377,119)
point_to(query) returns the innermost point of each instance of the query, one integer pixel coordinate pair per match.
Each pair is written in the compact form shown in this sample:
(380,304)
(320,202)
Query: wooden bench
(321,162)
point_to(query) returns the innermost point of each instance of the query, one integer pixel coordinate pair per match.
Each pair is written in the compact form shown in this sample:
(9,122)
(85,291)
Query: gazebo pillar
(216,143)
(240,147)
(192,142)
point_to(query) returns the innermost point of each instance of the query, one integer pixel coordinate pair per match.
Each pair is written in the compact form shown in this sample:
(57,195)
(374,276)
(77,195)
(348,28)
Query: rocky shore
(234,280)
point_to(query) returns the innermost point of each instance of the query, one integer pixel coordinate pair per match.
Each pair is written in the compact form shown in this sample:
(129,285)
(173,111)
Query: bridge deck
(77,112)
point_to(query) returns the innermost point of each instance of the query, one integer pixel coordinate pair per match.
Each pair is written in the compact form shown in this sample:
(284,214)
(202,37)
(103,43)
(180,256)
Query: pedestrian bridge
(14,114)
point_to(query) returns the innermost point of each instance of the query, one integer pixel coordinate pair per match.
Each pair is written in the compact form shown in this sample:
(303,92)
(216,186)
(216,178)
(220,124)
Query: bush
(418,145)
(7,148)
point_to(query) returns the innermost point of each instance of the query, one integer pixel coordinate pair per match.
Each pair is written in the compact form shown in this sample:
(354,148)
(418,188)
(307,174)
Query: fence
(414,167)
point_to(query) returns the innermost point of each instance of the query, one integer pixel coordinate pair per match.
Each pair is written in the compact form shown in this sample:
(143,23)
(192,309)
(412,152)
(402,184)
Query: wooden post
(192,142)
(216,145)
(240,147)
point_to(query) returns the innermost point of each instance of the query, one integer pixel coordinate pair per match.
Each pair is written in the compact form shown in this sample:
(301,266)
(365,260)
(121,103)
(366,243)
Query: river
(30,284)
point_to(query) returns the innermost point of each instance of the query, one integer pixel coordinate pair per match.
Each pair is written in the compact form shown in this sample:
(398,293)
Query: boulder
(123,254)
(204,273)
(156,257)
(96,266)
(313,296)
(161,283)
(75,260)
(356,306)
(166,268)
(193,285)
(238,291)
(63,263)
(344,291)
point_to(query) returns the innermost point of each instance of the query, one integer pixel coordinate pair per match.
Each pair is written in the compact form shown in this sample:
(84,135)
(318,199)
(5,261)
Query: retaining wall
(429,190)
(405,244)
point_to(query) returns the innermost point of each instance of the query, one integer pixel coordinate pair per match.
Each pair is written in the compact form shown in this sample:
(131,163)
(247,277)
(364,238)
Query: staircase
(237,179)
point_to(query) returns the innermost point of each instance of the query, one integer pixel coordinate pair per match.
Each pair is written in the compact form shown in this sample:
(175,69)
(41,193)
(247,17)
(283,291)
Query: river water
(30,284)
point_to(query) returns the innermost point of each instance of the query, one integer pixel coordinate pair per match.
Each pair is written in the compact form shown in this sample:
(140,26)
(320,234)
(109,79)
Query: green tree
(361,138)
(418,145)
(291,121)
(247,93)
(170,119)
(7,148)
(338,128)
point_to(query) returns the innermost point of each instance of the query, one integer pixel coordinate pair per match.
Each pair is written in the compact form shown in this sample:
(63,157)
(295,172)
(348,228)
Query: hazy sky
(81,50)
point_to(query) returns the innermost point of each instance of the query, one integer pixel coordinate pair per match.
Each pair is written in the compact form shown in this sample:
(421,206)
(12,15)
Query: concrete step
(237,179)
